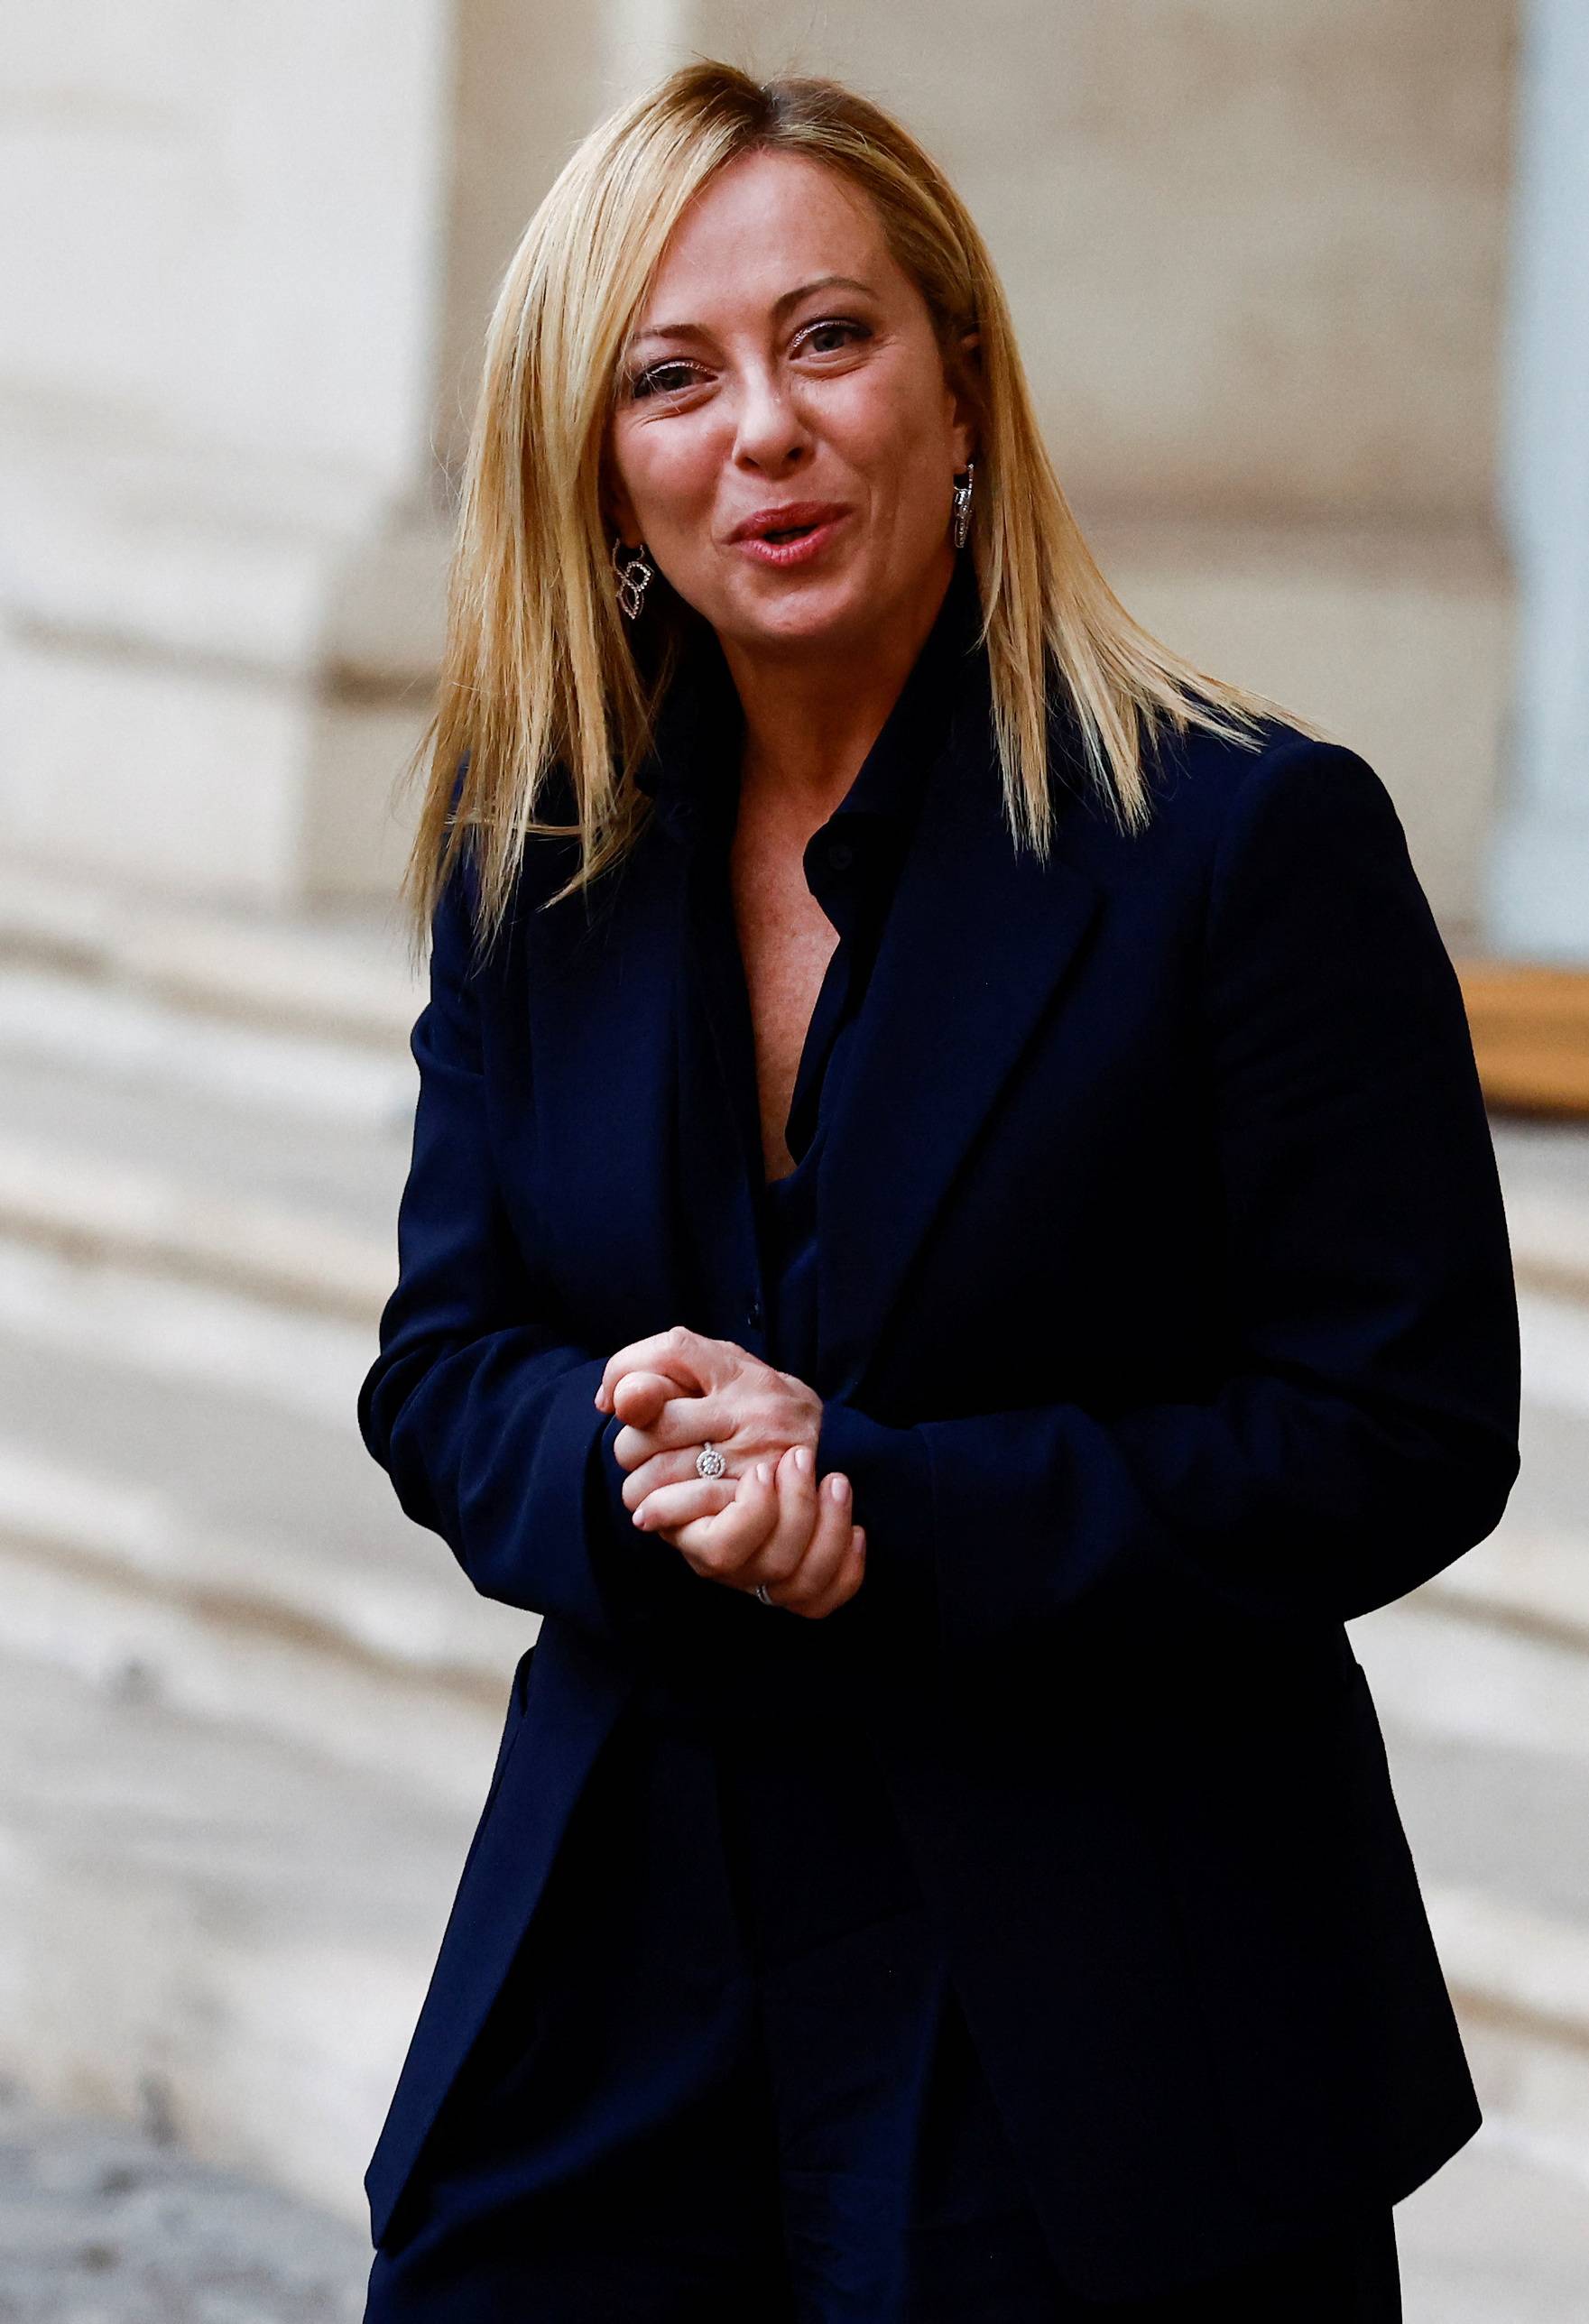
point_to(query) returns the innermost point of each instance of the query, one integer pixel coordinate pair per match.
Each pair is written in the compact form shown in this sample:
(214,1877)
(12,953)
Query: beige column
(246,280)
(1539,893)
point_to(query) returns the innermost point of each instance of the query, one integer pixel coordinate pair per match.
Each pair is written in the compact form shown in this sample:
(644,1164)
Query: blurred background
(1304,290)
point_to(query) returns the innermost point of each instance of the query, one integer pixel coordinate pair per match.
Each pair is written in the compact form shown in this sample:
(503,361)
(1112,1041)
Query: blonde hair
(537,671)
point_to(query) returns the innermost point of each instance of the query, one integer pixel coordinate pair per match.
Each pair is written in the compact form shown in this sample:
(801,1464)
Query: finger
(852,1572)
(801,1565)
(658,1444)
(719,1545)
(686,1357)
(730,1515)
(820,1569)
(664,1455)
(789,1540)
(676,1501)
(689,1422)
(639,1398)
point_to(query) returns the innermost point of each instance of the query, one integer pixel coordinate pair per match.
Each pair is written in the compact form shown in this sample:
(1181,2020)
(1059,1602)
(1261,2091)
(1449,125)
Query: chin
(833,612)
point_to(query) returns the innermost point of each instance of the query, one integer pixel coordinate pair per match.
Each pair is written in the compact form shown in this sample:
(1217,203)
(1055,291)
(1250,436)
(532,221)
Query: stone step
(185,1502)
(1487,1734)
(1495,2238)
(103,1207)
(214,1928)
(1544,1169)
(1532,1572)
(217,1153)
(337,973)
(81,1030)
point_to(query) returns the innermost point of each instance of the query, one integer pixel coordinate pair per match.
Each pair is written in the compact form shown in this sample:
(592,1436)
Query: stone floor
(103,2223)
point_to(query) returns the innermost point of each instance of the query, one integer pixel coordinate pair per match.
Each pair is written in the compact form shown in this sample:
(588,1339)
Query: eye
(664,379)
(850,333)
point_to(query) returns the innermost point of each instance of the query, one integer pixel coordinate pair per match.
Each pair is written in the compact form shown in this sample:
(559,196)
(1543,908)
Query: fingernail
(803,1459)
(840,1488)
(763,1473)
(638,1517)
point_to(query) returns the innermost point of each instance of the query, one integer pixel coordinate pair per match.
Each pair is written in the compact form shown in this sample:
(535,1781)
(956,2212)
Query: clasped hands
(765,1520)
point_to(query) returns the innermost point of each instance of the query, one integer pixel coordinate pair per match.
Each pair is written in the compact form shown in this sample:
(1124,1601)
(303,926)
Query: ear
(961,371)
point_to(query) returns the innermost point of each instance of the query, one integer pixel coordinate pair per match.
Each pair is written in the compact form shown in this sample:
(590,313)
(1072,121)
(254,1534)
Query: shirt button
(752,1314)
(841,856)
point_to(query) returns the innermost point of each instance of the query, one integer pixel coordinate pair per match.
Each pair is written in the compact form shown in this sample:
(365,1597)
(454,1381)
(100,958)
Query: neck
(811,720)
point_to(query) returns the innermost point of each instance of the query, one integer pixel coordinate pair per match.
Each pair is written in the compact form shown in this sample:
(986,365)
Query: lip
(821,519)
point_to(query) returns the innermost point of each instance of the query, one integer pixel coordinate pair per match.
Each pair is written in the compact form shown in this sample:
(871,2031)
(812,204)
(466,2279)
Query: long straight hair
(537,671)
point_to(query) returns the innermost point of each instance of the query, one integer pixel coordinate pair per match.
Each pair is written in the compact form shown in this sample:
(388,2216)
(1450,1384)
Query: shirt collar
(694,759)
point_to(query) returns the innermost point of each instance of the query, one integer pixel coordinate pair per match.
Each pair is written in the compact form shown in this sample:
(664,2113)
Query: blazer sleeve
(480,1410)
(1363,1433)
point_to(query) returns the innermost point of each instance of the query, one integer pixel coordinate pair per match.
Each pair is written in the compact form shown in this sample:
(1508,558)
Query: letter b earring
(960,522)
(634,579)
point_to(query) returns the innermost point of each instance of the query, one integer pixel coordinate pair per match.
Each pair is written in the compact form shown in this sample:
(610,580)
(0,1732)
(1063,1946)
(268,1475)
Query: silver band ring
(708,1463)
(761,1594)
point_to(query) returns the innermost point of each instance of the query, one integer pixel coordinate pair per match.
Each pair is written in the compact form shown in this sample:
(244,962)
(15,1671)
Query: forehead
(765,223)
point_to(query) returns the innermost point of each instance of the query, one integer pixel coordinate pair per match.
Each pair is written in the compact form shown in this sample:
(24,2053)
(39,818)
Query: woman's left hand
(681,1390)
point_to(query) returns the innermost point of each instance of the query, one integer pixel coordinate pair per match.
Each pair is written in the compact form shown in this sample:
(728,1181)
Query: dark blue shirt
(852,863)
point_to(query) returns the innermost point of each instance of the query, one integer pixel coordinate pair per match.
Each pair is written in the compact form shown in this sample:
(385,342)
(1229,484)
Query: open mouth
(796,539)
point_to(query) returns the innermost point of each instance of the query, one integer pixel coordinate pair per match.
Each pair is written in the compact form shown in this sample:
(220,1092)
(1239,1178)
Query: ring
(708,1463)
(761,1594)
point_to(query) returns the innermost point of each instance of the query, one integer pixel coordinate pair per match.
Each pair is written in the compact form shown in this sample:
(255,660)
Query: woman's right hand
(778,1529)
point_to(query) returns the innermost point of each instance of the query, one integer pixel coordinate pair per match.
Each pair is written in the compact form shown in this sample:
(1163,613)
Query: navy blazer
(1167,1323)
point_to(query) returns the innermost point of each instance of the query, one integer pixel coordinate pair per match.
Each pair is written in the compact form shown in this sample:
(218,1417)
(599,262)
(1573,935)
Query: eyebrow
(781,306)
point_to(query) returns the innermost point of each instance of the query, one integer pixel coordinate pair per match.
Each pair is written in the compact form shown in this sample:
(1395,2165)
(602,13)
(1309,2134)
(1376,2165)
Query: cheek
(668,472)
(902,450)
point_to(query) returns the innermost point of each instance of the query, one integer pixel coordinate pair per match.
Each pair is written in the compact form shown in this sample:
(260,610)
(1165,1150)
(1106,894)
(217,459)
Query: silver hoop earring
(634,579)
(960,522)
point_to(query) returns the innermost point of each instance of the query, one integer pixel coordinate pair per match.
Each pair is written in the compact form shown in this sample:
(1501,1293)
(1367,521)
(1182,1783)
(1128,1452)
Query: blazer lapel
(976,942)
(604,1001)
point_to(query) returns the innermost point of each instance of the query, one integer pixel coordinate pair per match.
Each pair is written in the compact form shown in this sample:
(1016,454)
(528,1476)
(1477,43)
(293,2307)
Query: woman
(939,1119)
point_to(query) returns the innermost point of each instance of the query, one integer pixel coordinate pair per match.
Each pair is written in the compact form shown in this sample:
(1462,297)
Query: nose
(771,437)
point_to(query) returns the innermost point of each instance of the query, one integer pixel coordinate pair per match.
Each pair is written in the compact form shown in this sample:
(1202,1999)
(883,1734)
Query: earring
(634,579)
(960,522)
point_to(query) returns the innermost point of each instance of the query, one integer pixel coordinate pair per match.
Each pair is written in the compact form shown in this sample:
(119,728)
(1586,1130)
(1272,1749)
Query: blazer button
(841,856)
